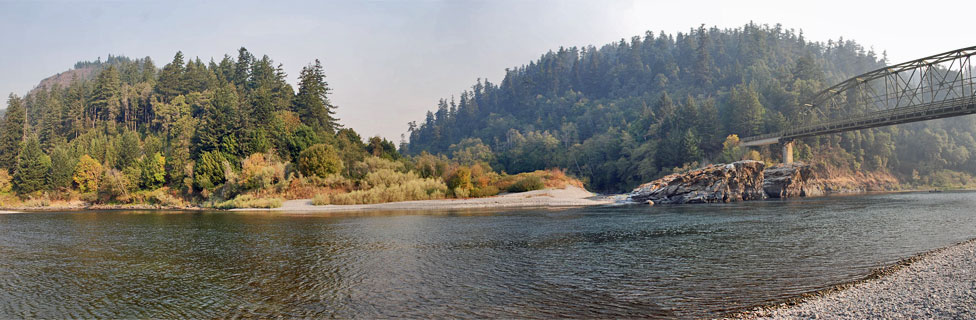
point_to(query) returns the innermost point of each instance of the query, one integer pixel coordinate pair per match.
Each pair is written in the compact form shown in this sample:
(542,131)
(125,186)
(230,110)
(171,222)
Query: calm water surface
(687,261)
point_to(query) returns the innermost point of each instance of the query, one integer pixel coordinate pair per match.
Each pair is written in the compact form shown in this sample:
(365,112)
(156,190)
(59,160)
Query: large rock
(790,181)
(736,181)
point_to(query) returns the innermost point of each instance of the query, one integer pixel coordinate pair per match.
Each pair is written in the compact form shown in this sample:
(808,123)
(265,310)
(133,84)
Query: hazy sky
(390,61)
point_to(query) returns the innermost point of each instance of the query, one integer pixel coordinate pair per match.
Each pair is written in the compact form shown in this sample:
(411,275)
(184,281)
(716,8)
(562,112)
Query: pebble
(941,285)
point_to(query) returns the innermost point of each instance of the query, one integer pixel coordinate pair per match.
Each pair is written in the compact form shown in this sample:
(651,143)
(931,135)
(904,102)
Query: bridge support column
(788,152)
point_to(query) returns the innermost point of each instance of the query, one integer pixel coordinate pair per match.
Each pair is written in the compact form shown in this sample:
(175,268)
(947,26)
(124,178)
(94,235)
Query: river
(625,261)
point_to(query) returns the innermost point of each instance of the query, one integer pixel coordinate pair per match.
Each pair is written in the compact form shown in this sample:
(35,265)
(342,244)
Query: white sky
(388,62)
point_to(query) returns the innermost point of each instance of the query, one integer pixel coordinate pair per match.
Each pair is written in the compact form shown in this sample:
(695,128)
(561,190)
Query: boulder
(736,181)
(790,181)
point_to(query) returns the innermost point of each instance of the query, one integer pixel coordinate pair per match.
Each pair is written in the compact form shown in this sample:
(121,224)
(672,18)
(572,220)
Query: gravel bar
(940,284)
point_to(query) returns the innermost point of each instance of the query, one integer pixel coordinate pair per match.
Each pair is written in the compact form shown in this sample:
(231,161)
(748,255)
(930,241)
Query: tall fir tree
(12,132)
(312,101)
(33,167)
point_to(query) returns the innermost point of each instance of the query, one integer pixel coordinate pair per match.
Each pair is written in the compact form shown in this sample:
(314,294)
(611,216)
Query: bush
(527,183)
(249,201)
(390,187)
(88,173)
(319,160)
(5,185)
(372,164)
(261,171)
(460,179)
(487,191)
(114,187)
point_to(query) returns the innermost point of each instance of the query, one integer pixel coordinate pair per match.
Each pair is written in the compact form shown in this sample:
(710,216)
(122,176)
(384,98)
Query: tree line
(637,109)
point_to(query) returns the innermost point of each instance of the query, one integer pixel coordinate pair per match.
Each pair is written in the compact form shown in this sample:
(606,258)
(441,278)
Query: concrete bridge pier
(788,151)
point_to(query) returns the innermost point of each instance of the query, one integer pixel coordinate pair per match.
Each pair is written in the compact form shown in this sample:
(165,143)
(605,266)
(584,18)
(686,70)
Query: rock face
(736,181)
(790,180)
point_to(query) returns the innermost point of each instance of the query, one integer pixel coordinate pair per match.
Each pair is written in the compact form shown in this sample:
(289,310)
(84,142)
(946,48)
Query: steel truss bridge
(934,87)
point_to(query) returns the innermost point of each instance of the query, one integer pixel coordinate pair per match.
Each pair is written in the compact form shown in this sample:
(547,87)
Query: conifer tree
(12,132)
(170,83)
(32,168)
(312,101)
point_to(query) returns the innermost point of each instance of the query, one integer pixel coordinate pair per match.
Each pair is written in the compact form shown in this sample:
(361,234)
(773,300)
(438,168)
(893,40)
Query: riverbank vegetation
(638,109)
(224,134)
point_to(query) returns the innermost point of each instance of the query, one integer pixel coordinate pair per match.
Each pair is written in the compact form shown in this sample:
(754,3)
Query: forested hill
(634,110)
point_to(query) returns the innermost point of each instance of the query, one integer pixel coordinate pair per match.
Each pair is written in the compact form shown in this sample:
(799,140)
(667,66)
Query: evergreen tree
(170,83)
(12,132)
(312,101)
(62,168)
(33,166)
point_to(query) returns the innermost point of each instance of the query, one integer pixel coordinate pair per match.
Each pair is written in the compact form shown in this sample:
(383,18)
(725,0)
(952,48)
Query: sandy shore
(937,285)
(568,197)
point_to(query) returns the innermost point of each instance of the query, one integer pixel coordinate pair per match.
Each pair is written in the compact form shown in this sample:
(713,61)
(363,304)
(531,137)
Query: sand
(569,197)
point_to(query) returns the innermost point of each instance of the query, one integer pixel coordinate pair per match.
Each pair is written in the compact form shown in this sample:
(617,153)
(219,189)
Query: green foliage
(153,171)
(471,151)
(319,160)
(11,132)
(312,101)
(208,172)
(388,186)
(731,150)
(32,169)
(5,182)
(460,182)
(249,201)
(528,183)
(62,168)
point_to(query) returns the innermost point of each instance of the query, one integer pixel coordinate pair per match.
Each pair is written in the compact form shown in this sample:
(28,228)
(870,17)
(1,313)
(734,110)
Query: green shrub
(487,191)
(527,183)
(249,201)
(319,160)
(372,164)
(410,189)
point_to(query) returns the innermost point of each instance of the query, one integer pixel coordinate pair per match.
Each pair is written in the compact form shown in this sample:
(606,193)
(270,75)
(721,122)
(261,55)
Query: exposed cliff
(790,181)
(736,181)
(752,180)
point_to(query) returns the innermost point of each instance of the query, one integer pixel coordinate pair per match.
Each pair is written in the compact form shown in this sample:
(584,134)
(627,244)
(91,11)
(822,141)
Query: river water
(626,261)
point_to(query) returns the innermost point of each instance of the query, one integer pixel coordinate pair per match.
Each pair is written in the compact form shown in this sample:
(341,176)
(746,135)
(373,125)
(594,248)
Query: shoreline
(570,196)
(879,279)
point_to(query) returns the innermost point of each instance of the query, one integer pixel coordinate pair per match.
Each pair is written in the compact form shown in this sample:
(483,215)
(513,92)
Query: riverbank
(570,196)
(937,284)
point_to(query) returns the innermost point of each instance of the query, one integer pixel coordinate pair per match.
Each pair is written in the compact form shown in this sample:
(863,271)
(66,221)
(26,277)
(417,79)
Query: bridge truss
(938,86)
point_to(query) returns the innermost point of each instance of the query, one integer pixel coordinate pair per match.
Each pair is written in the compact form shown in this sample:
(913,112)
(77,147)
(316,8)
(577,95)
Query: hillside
(634,110)
(223,134)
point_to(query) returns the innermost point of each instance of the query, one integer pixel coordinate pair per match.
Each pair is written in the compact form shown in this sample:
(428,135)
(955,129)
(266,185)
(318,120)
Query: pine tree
(170,83)
(312,101)
(32,168)
(105,104)
(12,132)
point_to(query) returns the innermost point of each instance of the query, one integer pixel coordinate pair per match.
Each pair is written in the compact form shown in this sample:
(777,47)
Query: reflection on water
(688,261)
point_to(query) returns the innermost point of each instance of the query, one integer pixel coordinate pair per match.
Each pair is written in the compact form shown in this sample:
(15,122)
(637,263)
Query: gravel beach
(938,285)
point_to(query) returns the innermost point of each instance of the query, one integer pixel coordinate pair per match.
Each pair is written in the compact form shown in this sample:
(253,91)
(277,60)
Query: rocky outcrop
(790,181)
(736,181)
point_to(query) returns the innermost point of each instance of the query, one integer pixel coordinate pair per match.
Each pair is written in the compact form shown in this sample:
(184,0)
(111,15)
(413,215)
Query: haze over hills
(633,110)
